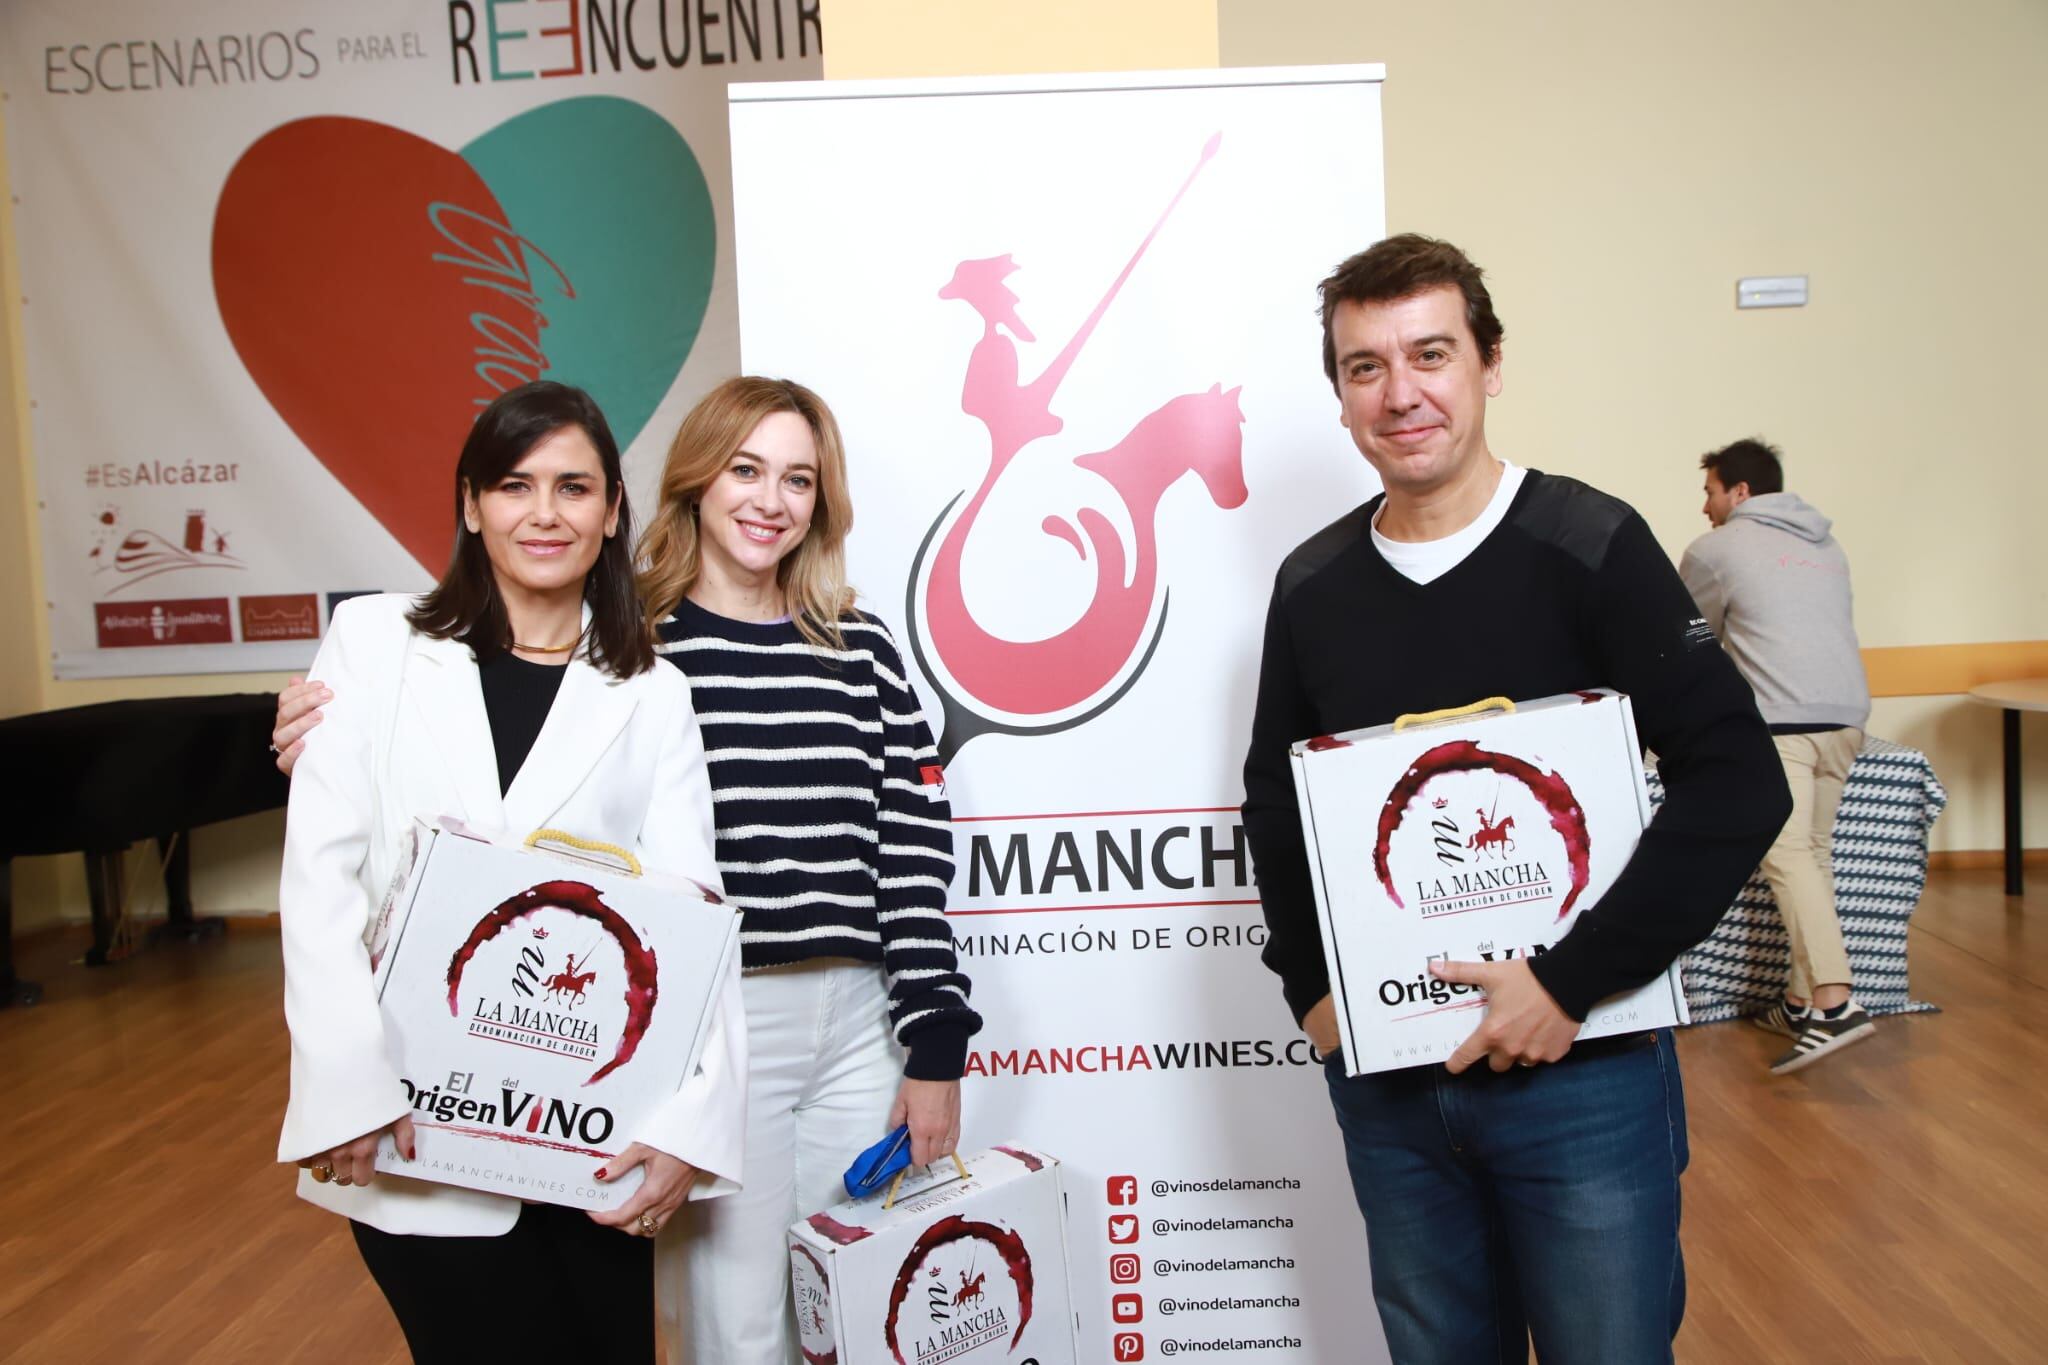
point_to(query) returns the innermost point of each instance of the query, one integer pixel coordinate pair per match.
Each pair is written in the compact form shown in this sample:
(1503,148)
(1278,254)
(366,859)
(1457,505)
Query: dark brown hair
(466,606)
(1751,461)
(1401,267)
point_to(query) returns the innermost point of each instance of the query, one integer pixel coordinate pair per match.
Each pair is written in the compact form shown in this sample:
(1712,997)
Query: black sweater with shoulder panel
(1571,591)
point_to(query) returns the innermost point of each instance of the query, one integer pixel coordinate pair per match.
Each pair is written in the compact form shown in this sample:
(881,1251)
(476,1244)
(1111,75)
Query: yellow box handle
(890,1198)
(1453,713)
(556,836)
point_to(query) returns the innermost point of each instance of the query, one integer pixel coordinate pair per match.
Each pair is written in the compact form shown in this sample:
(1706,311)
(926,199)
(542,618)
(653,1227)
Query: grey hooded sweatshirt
(1774,585)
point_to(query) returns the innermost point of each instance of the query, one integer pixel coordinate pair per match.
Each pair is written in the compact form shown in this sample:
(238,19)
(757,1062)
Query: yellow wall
(1615,166)
(22,623)
(876,38)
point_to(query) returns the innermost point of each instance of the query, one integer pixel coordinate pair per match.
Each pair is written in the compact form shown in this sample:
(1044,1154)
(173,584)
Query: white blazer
(407,735)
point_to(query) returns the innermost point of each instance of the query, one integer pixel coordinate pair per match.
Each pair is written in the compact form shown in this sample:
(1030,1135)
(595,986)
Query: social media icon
(1127,1308)
(1123,1228)
(1125,1268)
(1130,1346)
(1123,1190)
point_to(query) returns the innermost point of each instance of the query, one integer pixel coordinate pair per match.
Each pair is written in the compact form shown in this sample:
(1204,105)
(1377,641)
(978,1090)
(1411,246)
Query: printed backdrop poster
(1069,327)
(276,255)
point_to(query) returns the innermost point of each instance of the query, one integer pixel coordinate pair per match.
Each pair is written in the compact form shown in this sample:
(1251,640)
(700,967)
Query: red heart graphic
(324,247)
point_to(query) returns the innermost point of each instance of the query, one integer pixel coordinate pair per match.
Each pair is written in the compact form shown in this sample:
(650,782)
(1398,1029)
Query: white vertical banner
(1069,327)
(277,253)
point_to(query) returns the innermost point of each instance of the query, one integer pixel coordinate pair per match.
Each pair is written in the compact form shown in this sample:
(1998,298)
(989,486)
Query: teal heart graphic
(613,195)
(371,285)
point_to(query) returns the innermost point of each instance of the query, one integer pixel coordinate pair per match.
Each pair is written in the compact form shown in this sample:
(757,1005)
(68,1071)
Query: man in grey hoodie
(1774,585)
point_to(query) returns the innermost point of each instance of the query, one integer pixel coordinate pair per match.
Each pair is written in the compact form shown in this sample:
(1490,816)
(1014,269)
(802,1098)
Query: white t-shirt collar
(1425,561)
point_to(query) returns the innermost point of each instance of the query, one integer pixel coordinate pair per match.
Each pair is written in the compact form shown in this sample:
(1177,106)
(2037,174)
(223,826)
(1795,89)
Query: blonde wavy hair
(813,575)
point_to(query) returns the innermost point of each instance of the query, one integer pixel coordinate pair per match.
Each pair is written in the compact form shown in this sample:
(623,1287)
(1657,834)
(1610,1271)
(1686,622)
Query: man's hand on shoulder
(1523,1026)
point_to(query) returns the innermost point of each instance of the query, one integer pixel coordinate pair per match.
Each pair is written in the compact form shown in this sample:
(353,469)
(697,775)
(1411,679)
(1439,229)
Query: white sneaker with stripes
(1820,1035)
(1783,1018)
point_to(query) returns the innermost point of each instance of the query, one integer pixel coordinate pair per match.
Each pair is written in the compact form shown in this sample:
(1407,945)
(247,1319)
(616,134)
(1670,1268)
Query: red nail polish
(600,1172)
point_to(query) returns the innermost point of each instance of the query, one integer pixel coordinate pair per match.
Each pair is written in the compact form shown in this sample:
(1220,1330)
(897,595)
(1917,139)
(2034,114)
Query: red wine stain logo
(948,1232)
(1016,687)
(1032,1160)
(813,1298)
(836,1232)
(578,898)
(380,928)
(1462,755)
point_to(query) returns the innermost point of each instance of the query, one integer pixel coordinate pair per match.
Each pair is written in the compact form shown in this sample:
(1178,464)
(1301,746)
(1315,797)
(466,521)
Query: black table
(2013,697)
(96,779)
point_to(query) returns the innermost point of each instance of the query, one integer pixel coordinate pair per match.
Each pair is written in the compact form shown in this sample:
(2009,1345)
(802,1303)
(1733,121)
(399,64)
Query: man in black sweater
(1536,1195)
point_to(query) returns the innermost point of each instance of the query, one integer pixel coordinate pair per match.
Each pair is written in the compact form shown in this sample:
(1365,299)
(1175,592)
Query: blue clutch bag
(873,1168)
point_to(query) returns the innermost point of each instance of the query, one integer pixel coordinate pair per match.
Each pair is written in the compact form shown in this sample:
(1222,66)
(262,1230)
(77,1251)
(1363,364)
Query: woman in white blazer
(521,693)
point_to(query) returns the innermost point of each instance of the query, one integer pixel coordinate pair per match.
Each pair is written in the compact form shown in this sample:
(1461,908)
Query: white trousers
(824,1069)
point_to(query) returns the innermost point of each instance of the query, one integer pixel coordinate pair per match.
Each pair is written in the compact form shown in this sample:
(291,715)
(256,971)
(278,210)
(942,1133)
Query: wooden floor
(1890,1204)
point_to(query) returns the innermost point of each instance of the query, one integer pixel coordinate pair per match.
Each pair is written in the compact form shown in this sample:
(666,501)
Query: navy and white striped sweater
(828,837)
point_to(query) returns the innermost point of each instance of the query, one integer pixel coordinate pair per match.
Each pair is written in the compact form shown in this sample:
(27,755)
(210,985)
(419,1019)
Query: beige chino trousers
(1800,866)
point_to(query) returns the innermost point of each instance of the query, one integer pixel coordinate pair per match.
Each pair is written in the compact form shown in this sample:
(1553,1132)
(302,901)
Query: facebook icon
(1123,1190)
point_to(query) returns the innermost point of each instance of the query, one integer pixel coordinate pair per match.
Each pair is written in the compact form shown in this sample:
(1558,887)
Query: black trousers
(556,1288)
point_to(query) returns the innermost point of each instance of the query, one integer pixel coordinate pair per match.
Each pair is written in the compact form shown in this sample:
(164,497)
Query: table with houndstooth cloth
(1888,807)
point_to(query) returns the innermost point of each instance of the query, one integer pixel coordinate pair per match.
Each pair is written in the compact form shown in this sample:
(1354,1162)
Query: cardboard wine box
(539,1007)
(1478,838)
(955,1272)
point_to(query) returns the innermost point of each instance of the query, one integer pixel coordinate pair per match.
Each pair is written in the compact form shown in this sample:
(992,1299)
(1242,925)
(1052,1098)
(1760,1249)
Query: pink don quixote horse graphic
(1024,687)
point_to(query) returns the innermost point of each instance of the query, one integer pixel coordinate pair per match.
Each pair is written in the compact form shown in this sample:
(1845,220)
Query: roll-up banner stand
(1068,325)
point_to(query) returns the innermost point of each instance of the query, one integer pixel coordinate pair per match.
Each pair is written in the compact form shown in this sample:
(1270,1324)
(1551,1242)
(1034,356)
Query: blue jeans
(1540,1202)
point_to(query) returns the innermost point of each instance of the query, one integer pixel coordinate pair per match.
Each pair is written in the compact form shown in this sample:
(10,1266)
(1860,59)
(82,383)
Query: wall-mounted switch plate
(1771,291)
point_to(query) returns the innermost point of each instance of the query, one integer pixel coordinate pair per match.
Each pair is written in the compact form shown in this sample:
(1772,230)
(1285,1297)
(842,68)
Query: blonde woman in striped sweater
(829,837)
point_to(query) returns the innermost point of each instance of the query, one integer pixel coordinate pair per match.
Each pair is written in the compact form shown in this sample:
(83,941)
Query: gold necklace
(547,649)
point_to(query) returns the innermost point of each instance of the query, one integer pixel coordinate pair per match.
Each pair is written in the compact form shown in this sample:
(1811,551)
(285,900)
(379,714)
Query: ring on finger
(648,1225)
(321,1173)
